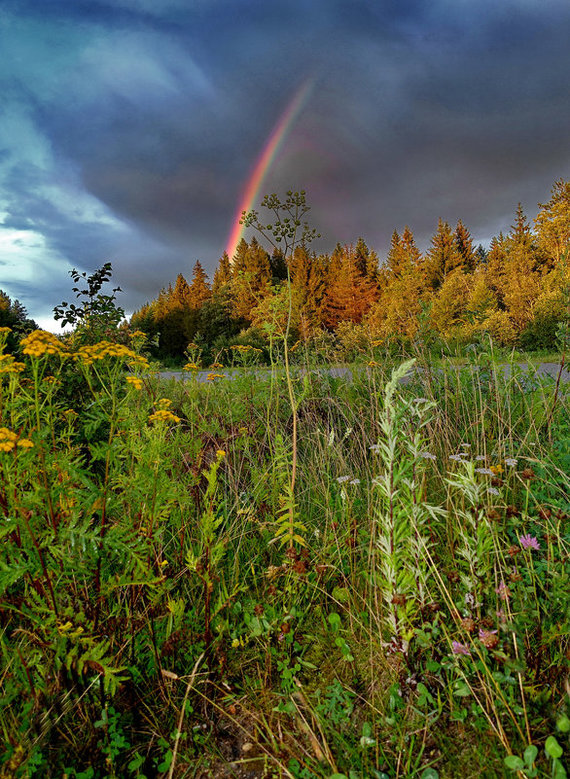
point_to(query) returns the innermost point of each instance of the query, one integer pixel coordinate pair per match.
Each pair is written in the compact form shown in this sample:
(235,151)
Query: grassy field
(282,577)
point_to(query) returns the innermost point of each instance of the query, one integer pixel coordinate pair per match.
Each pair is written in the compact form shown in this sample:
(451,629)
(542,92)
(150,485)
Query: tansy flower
(135,382)
(191,366)
(162,415)
(497,469)
(25,443)
(40,342)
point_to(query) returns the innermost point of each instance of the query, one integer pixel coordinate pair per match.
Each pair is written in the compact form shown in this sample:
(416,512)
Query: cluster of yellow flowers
(214,376)
(191,366)
(99,351)
(241,348)
(138,334)
(217,365)
(163,414)
(10,440)
(135,382)
(40,342)
(9,365)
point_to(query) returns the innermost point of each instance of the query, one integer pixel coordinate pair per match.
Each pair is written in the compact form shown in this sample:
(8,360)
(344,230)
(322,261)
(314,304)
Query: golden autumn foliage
(461,291)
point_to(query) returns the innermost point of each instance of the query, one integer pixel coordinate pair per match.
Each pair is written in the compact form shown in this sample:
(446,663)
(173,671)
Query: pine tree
(199,288)
(464,245)
(223,273)
(351,293)
(553,223)
(443,256)
(251,278)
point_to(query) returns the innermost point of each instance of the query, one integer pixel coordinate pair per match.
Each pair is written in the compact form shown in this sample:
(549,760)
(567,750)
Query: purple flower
(503,591)
(460,649)
(529,542)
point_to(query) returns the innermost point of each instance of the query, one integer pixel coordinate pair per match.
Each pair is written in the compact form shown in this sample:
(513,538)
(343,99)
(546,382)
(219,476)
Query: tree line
(517,290)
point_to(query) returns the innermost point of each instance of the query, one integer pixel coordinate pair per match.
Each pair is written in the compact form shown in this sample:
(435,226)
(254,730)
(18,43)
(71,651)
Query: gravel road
(545,369)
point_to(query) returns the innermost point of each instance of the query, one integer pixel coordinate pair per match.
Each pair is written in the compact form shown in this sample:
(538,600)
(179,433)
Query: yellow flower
(10,440)
(162,415)
(220,454)
(8,364)
(165,402)
(138,334)
(40,342)
(5,329)
(135,382)
(99,351)
(214,376)
(191,366)
(497,469)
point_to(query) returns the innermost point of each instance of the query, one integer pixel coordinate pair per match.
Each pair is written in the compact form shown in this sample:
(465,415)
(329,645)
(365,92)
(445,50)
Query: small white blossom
(510,461)
(493,491)
(421,400)
(374,448)
(455,457)
(466,446)
(484,471)
(428,456)
(480,457)
(343,479)
(355,481)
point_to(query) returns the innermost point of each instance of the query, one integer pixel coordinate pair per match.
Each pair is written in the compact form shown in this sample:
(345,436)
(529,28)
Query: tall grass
(170,606)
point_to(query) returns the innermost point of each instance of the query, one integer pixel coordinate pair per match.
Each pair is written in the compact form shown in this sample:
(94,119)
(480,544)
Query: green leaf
(429,773)
(563,724)
(530,754)
(558,770)
(334,620)
(514,763)
(553,748)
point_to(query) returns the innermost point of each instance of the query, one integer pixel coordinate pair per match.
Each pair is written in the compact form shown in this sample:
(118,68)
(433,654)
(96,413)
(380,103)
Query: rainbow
(264,161)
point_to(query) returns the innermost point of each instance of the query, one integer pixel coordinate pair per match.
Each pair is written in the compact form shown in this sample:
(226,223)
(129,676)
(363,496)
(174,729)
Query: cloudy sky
(129,129)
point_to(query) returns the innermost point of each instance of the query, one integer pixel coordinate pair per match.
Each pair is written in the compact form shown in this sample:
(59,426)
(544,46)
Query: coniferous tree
(403,289)
(464,245)
(223,273)
(351,293)
(553,223)
(521,281)
(443,256)
(199,290)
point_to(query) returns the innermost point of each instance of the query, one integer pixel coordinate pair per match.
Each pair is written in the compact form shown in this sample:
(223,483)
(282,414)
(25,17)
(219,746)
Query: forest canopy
(517,290)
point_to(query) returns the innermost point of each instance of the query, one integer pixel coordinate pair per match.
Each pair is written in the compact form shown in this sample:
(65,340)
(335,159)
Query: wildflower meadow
(281,573)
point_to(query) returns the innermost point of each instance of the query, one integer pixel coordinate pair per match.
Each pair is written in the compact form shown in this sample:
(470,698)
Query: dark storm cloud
(160,109)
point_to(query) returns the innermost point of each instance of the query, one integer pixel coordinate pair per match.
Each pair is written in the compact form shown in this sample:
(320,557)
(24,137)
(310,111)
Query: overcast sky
(129,128)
